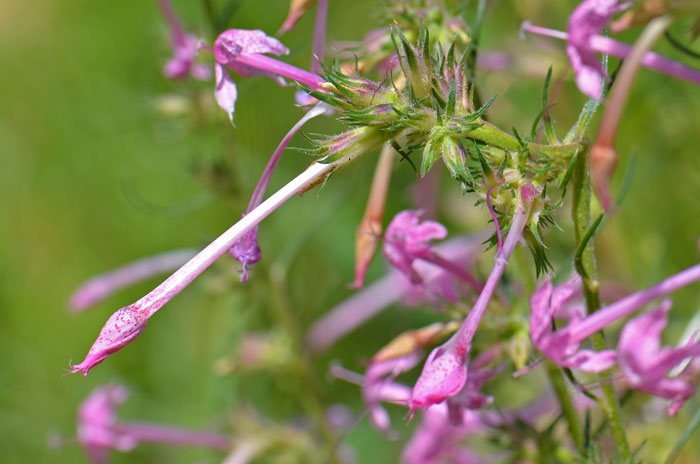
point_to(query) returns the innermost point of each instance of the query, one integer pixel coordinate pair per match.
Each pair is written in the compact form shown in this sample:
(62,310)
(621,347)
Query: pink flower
(548,303)
(127,323)
(583,43)
(228,48)
(99,431)
(121,328)
(586,21)
(407,240)
(561,346)
(378,386)
(438,286)
(437,439)
(185,49)
(101,286)
(444,374)
(96,420)
(645,363)
(471,396)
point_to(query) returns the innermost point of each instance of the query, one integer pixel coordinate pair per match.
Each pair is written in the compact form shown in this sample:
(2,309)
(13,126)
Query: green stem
(556,378)
(314,400)
(582,222)
(492,135)
(211,14)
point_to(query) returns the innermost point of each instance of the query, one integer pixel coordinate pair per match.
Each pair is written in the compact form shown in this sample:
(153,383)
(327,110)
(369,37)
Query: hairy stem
(568,409)
(582,220)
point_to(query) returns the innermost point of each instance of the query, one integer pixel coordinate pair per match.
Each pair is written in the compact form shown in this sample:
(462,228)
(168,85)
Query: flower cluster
(414,93)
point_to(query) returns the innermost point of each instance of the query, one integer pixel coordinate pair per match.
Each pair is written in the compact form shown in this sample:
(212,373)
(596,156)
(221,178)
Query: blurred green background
(95,174)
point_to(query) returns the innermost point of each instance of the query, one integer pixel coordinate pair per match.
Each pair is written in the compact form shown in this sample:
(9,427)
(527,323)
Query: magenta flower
(96,420)
(242,51)
(645,363)
(185,49)
(586,21)
(445,371)
(437,439)
(406,240)
(378,386)
(101,286)
(471,396)
(561,346)
(548,303)
(99,431)
(590,76)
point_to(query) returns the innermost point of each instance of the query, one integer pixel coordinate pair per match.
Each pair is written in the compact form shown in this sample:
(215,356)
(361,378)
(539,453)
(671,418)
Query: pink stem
(493,215)
(601,318)
(178,33)
(152,433)
(465,334)
(157,298)
(319,43)
(259,191)
(622,50)
(271,65)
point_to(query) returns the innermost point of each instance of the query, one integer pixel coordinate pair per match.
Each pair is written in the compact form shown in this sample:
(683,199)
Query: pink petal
(225,91)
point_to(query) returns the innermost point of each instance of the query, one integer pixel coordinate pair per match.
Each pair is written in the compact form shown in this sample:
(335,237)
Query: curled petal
(247,251)
(225,92)
(645,363)
(407,240)
(548,302)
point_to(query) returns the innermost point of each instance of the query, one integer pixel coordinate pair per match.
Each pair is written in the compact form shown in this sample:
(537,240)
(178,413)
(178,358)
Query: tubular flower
(407,240)
(99,431)
(242,52)
(612,47)
(228,47)
(547,303)
(96,420)
(561,346)
(586,21)
(378,386)
(185,49)
(645,363)
(101,286)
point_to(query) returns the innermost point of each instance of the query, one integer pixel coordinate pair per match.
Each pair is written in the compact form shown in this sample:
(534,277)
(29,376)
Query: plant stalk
(582,220)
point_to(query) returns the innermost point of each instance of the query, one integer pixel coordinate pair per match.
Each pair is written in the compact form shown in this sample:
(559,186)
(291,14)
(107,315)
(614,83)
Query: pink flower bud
(444,374)
(121,328)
